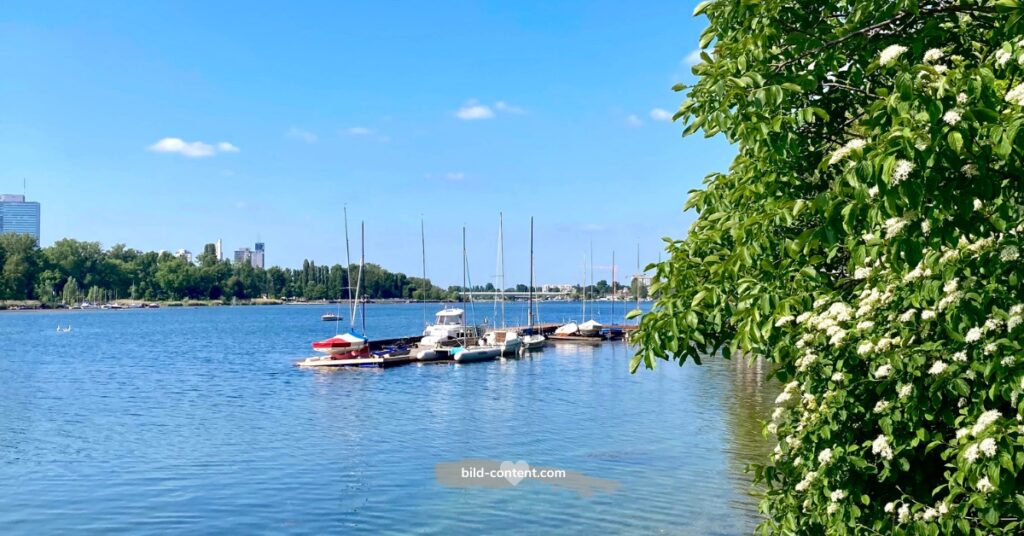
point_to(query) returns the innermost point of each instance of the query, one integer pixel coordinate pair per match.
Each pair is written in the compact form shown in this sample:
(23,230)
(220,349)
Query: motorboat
(330,317)
(449,324)
(463,354)
(506,340)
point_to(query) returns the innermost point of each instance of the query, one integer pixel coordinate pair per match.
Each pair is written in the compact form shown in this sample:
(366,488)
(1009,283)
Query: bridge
(513,295)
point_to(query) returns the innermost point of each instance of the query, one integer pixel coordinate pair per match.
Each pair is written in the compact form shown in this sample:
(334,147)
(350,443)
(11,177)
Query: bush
(866,238)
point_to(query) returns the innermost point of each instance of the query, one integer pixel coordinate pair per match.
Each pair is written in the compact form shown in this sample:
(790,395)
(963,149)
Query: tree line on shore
(71,271)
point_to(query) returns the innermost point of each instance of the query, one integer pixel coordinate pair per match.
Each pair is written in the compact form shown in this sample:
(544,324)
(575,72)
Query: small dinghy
(463,354)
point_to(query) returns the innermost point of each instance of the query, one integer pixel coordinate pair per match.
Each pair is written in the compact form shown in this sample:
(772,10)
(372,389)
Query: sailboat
(449,328)
(507,340)
(466,353)
(531,340)
(351,348)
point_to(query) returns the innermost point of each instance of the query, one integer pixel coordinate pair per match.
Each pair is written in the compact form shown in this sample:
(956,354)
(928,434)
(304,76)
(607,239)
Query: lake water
(195,420)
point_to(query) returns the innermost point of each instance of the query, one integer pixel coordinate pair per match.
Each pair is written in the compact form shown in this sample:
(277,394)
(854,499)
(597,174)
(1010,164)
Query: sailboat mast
(613,285)
(593,306)
(529,313)
(501,264)
(423,249)
(583,318)
(638,282)
(362,262)
(348,276)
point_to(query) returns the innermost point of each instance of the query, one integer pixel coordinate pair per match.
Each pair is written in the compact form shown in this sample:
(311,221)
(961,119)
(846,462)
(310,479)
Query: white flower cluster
(1002,57)
(787,393)
(890,54)
(881,406)
(909,314)
(881,447)
(905,390)
(961,98)
(969,170)
(825,456)
(952,117)
(902,170)
(987,447)
(872,298)
(845,150)
(927,314)
(917,273)
(1016,95)
(933,55)
(883,371)
(937,368)
(837,495)
(806,482)
(984,421)
(829,322)
(984,485)
(783,320)
(1009,254)
(894,225)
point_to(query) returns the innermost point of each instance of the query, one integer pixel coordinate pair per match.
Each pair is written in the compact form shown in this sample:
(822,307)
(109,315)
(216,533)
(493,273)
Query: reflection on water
(196,421)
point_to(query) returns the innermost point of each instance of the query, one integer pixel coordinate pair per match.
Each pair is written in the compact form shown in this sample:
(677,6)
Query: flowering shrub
(866,239)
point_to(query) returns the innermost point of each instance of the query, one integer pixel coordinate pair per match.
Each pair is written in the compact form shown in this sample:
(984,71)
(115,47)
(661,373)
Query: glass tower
(19,216)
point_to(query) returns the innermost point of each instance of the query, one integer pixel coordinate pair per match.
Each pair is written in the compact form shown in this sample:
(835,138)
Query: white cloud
(191,149)
(301,135)
(660,114)
(503,106)
(365,133)
(633,121)
(473,110)
(693,58)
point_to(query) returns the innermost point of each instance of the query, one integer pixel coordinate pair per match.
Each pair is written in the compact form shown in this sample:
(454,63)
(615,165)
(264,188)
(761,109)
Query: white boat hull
(477,353)
(351,362)
(534,342)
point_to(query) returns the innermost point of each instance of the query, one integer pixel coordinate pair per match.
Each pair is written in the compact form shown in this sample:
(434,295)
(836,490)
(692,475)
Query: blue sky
(278,118)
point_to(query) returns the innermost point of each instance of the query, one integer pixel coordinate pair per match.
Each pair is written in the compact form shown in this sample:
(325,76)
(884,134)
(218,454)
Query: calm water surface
(195,420)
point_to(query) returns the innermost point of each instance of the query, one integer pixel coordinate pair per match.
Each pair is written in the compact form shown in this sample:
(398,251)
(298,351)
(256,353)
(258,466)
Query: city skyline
(534,110)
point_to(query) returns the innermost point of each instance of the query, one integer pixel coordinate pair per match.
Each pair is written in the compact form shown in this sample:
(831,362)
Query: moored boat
(507,341)
(345,343)
(464,354)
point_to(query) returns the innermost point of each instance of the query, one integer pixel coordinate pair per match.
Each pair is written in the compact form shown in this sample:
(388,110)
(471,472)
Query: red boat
(343,345)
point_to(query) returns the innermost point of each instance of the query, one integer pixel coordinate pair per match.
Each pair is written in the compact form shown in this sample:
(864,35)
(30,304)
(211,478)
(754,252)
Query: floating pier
(608,333)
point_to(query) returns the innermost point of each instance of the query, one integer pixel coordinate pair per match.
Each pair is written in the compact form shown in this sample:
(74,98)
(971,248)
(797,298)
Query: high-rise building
(218,250)
(184,255)
(258,255)
(243,255)
(19,216)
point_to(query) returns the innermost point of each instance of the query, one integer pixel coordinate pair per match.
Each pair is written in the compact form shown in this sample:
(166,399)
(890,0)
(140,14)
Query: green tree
(866,240)
(70,293)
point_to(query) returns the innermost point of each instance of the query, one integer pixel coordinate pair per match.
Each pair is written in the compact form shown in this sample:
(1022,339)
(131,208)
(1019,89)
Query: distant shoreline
(14,306)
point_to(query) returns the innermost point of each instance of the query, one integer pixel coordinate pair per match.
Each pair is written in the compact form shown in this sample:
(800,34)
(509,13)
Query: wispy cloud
(191,149)
(365,133)
(633,121)
(296,133)
(473,110)
(693,58)
(503,106)
(661,114)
